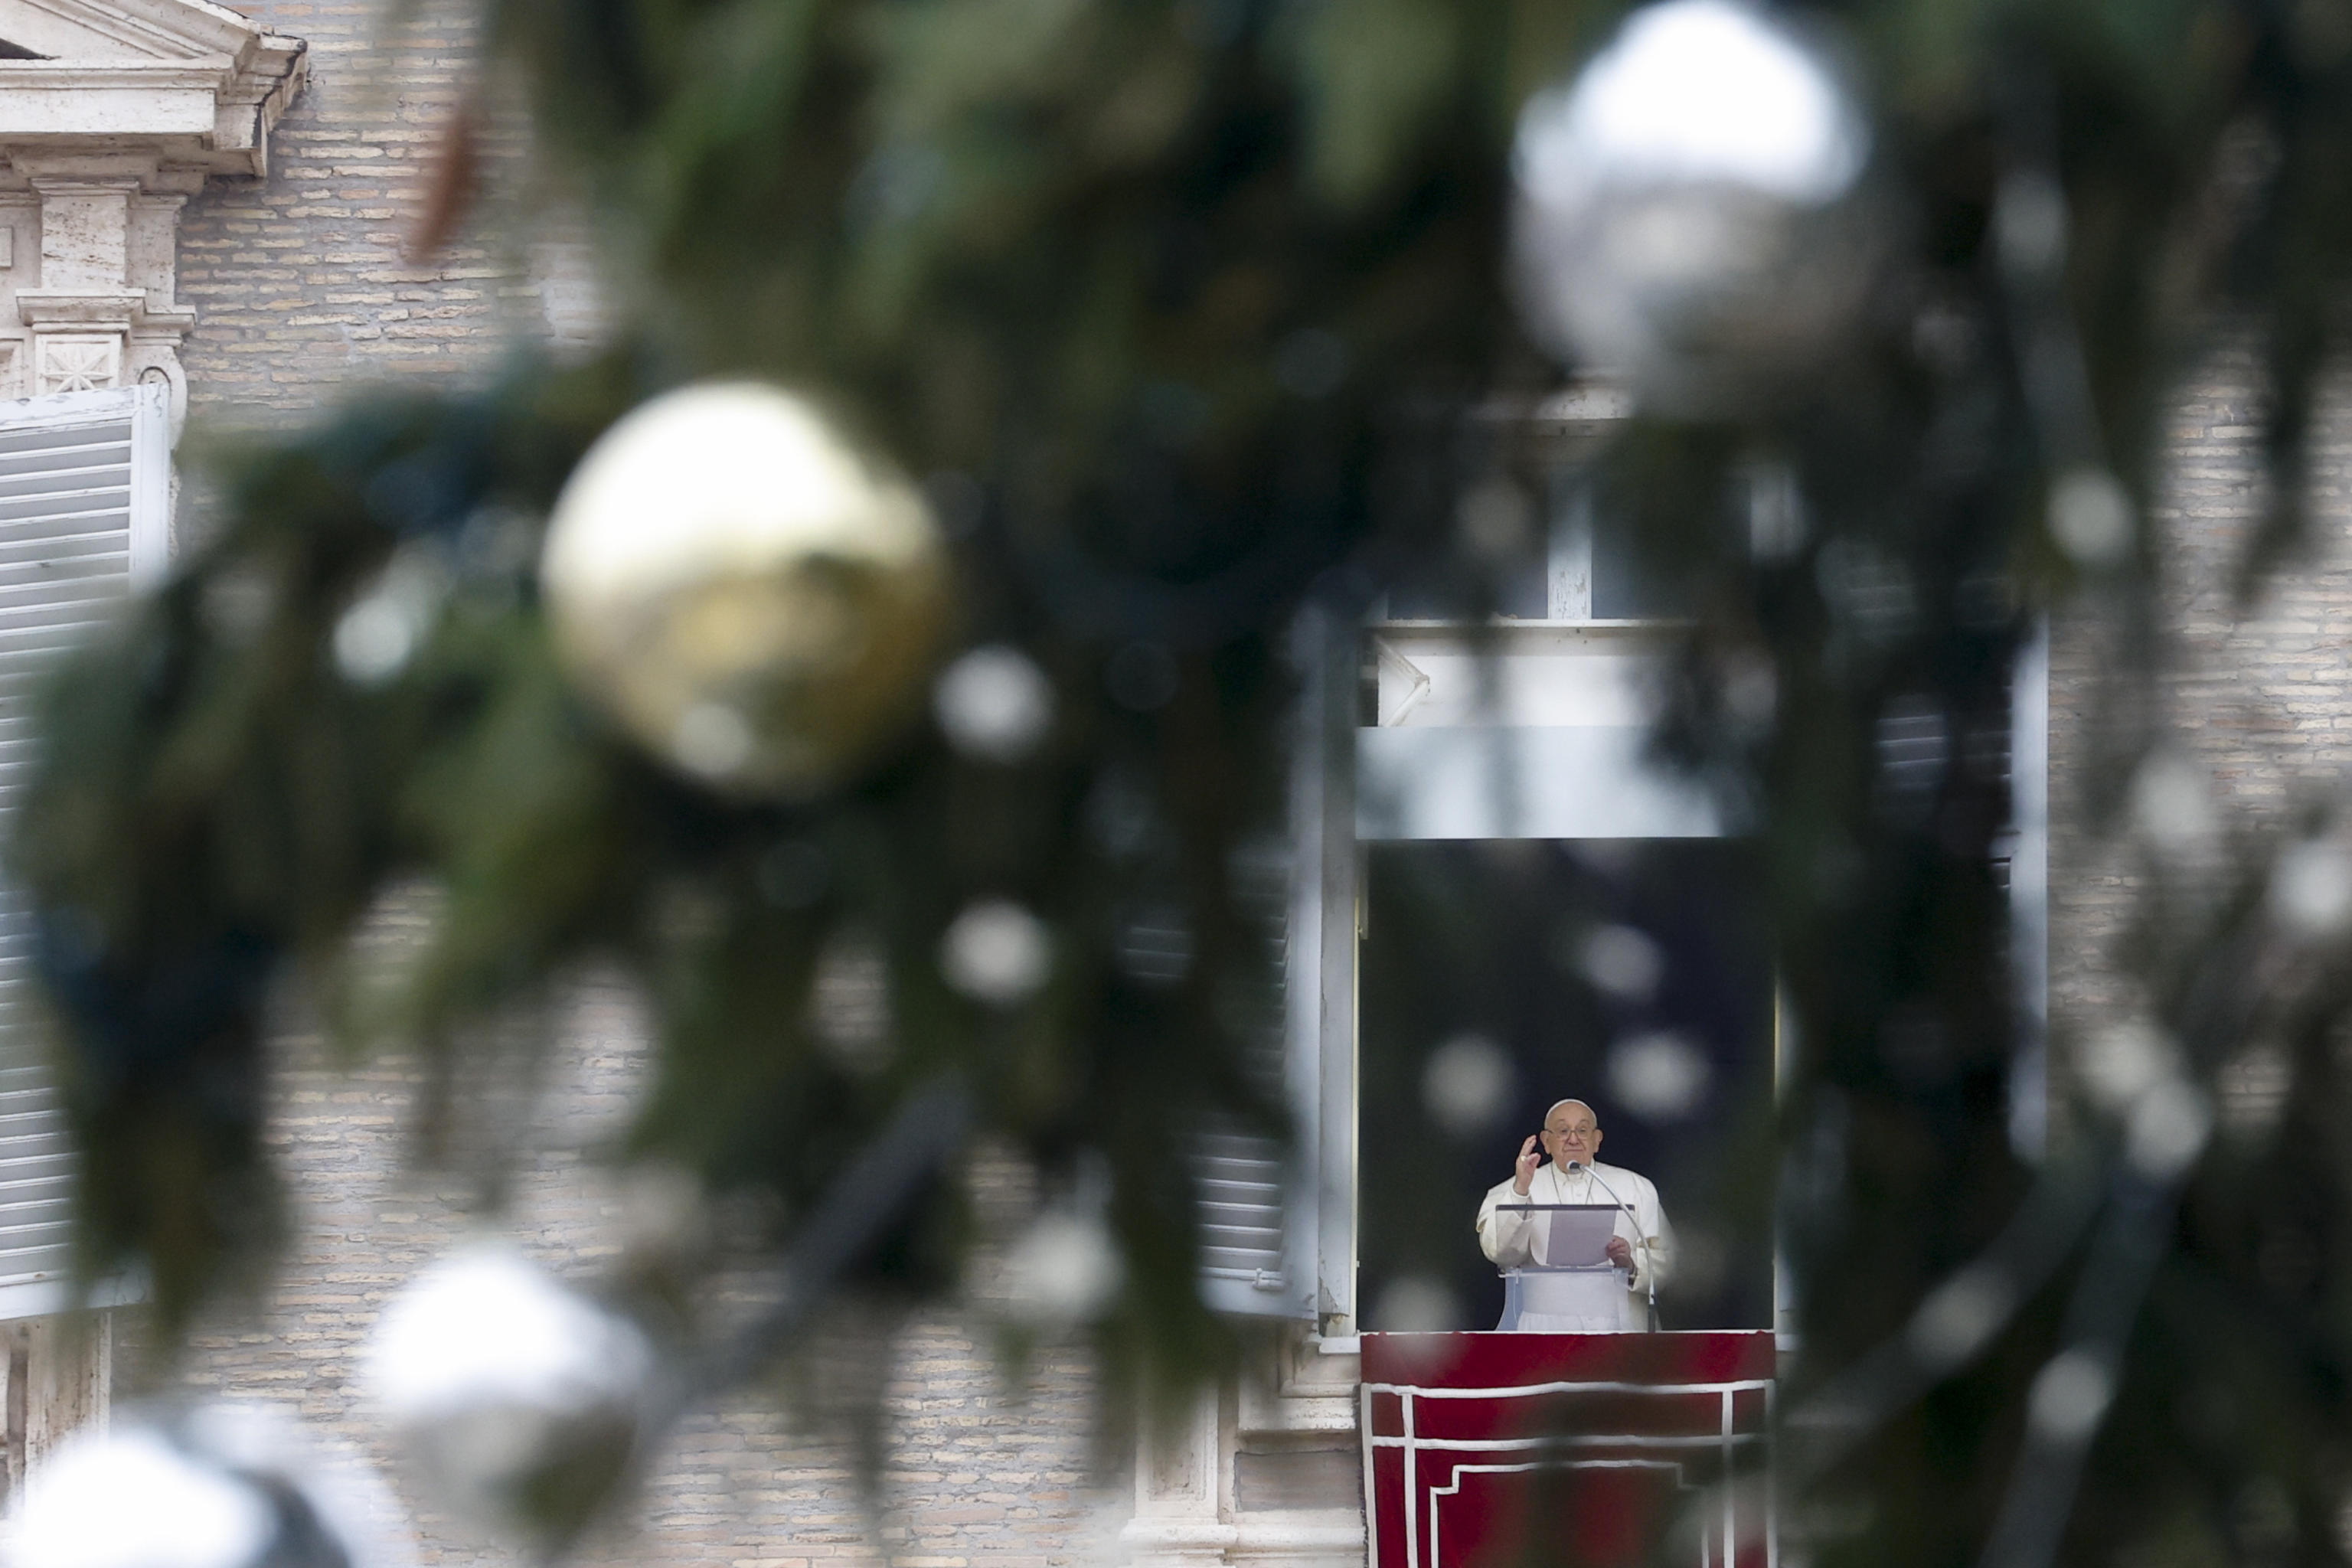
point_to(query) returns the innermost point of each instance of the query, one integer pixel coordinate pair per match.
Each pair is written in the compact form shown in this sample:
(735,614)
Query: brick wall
(299,280)
(972,1474)
(2255,700)
(302,290)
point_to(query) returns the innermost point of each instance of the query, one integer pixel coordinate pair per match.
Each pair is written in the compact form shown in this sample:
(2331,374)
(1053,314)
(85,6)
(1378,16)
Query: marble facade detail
(1259,1472)
(121,112)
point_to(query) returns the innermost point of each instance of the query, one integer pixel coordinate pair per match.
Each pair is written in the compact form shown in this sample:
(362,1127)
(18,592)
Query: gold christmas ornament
(748,595)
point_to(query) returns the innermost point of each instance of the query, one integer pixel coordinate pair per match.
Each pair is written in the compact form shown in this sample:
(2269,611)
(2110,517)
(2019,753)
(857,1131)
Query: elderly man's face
(1570,1134)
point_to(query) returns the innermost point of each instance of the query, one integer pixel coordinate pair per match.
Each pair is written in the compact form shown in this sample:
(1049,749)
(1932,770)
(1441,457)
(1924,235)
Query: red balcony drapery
(1588,1447)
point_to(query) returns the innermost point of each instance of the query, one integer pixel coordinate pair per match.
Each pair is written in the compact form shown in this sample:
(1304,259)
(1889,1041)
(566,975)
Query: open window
(1504,763)
(1545,913)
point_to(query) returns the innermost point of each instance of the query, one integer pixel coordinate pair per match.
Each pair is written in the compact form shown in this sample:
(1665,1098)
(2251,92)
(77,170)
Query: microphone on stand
(1649,1275)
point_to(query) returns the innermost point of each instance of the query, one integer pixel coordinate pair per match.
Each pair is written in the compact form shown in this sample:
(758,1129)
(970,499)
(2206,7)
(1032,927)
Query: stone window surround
(101,144)
(128,107)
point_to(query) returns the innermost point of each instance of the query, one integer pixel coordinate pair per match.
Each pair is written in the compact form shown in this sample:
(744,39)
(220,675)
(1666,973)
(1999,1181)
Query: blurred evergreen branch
(1184,311)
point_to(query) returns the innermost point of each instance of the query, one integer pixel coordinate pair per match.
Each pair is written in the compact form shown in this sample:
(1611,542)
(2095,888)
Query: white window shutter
(2029,894)
(1264,1229)
(85,516)
(1243,1182)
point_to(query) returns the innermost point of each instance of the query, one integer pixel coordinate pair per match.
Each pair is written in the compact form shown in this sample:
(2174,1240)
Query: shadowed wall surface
(2256,698)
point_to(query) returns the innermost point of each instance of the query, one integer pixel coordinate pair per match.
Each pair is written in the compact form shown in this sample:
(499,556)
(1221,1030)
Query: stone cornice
(209,74)
(131,29)
(196,84)
(136,315)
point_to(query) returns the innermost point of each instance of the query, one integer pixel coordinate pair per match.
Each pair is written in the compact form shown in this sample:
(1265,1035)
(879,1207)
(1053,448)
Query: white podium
(1574,1288)
(1593,1297)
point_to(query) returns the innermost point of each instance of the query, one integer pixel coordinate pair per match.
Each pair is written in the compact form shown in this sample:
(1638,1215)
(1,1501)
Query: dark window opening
(1586,968)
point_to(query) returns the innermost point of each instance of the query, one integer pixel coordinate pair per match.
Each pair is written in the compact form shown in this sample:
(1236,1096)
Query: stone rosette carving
(78,362)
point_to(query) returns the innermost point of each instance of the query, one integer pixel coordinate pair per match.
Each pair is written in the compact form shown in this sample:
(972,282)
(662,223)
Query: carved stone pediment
(196,84)
(112,113)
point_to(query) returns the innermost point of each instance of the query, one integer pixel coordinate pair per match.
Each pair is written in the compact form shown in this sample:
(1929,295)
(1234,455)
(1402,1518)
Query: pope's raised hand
(1529,1158)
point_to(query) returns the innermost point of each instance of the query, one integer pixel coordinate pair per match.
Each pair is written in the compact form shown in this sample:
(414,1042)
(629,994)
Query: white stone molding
(1301,1382)
(1298,1395)
(1322,1538)
(1184,1487)
(132,105)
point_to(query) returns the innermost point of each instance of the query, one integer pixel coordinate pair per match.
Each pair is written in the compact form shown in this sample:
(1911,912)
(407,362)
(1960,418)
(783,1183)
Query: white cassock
(1511,1241)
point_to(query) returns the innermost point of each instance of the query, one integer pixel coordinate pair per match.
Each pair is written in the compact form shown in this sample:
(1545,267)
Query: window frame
(1325,923)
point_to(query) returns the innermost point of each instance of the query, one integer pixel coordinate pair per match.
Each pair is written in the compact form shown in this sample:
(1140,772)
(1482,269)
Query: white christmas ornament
(1691,212)
(1659,1076)
(521,1402)
(753,598)
(1466,1085)
(994,703)
(1063,1271)
(2091,517)
(221,1485)
(2311,890)
(997,951)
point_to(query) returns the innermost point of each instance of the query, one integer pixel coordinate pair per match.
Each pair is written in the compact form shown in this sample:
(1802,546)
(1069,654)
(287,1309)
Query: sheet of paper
(1576,1236)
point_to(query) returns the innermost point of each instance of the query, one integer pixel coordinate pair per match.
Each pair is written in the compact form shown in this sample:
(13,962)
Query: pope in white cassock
(1641,1249)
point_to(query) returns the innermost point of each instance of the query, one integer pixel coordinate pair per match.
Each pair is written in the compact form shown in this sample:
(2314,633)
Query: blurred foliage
(1191,311)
